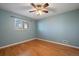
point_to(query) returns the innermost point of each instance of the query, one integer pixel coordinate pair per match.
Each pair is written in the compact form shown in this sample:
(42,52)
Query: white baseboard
(38,39)
(58,43)
(16,43)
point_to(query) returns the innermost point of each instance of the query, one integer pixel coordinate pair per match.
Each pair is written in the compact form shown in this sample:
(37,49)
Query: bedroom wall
(8,32)
(63,28)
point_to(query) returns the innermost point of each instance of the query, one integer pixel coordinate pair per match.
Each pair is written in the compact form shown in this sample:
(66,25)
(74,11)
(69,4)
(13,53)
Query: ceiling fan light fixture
(40,9)
(39,12)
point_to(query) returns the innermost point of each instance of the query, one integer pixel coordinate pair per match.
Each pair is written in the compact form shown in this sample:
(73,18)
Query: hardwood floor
(39,48)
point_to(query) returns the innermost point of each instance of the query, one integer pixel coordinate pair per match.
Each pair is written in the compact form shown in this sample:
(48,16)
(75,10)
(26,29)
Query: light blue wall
(8,33)
(60,28)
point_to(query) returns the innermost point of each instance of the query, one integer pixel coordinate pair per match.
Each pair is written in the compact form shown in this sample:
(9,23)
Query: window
(20,24)
(25,25)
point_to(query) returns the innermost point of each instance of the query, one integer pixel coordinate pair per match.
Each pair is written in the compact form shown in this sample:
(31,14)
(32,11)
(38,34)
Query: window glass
(20,24)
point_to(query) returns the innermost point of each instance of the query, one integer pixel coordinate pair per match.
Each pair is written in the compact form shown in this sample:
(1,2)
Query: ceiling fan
(40,8)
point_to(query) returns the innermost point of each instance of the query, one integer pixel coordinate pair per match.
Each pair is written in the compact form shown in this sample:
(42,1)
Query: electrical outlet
(64,41)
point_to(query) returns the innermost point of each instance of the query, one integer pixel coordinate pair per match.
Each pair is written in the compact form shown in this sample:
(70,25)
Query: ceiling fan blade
(45,5)
(33,5)
(32,11)
(45,11)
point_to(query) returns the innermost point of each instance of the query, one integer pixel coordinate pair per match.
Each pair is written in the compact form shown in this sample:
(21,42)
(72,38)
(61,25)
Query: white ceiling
(23,8)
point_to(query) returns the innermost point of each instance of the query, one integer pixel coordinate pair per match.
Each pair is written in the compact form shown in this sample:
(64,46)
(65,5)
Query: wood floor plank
(39,48)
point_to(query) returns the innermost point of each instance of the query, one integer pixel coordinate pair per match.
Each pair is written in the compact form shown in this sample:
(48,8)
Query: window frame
(23,21)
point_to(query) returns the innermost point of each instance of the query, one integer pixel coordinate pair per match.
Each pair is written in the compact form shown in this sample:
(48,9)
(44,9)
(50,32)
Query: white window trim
(22,24)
